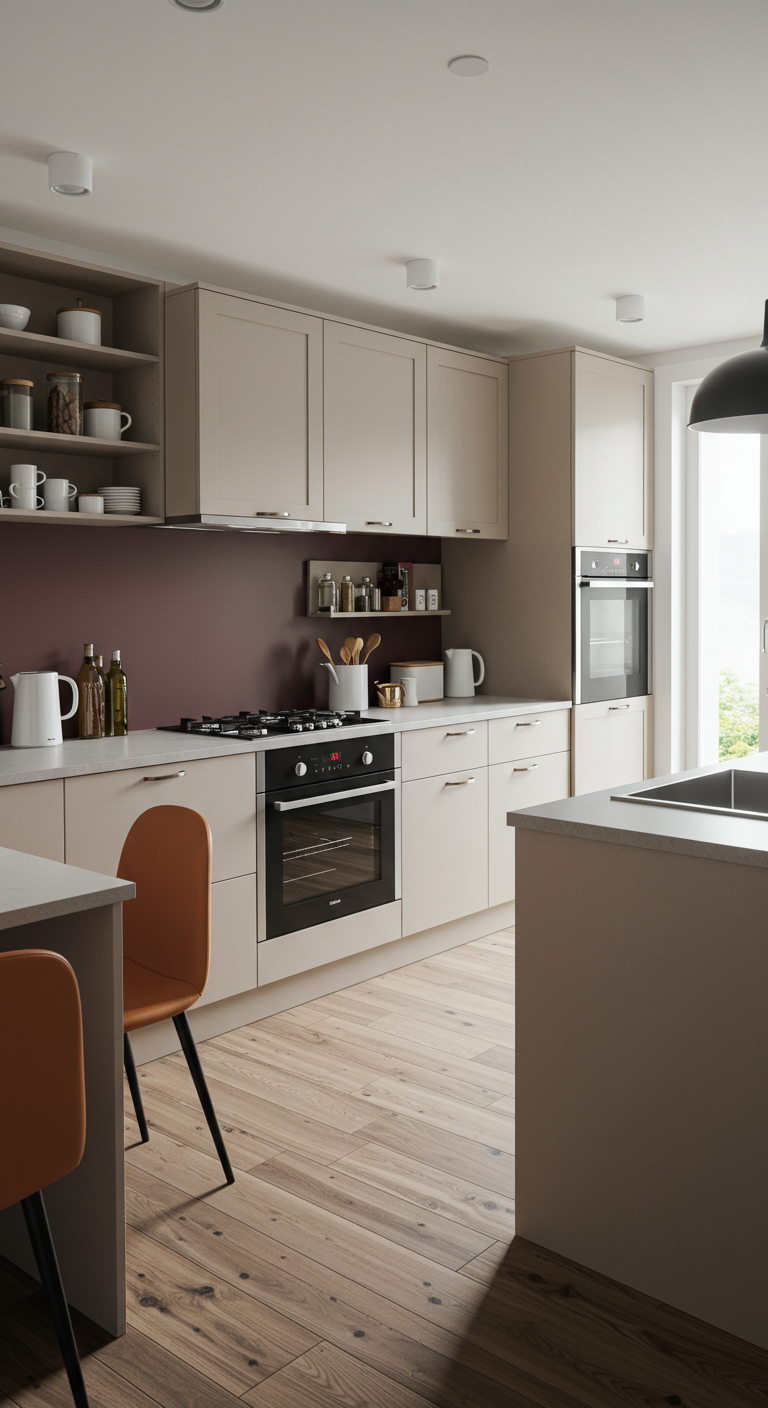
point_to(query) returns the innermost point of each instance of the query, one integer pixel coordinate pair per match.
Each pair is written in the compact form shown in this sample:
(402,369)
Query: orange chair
(167,940)
(42,1110)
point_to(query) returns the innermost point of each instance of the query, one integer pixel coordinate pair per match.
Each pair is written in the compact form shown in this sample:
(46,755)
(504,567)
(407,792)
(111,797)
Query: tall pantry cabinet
(580,474)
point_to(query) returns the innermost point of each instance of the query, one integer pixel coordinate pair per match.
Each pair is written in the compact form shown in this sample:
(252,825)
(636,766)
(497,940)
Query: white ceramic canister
(411,686)
(347,687)
(103,419)
(90,503)
(79,324)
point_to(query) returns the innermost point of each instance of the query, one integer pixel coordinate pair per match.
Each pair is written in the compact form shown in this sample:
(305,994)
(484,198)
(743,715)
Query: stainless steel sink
(732,792)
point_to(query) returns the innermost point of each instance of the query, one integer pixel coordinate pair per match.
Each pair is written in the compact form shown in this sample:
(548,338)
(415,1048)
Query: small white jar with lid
(79,324)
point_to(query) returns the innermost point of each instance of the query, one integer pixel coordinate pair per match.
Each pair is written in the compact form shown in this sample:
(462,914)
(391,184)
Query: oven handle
(333,797)
(615,582)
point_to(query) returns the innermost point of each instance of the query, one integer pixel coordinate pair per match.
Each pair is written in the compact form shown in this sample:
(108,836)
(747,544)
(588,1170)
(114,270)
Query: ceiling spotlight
(468,66)
(422,273)
(200,5)
(70,174)
(630,308)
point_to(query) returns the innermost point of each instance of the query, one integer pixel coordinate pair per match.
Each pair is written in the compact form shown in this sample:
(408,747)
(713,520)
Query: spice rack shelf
(71,354)
(32,440)
(358,615)
(426,575)
(79,520)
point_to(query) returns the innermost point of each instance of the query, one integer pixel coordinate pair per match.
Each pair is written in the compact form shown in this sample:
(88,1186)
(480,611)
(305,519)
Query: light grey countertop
(597,816)
(32,889)
(155,748)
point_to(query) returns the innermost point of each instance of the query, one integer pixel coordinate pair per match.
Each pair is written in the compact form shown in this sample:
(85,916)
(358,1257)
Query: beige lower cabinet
(527,782)
(444,848)
(233,939)
(32,818)
(612,743)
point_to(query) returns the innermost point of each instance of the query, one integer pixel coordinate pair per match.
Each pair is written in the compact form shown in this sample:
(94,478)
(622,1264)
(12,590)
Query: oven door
(611,640)
(329,850)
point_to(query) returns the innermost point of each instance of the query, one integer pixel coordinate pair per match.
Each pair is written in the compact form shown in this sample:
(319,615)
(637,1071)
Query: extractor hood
(260,523)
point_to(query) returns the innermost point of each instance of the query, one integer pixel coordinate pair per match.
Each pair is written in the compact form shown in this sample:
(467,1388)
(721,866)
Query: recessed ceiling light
(422,273)
(469,66)
(630,308)
(199,5)
(70,174)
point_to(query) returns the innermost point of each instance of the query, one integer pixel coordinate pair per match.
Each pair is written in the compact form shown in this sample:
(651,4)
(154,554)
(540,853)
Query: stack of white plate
(120,499)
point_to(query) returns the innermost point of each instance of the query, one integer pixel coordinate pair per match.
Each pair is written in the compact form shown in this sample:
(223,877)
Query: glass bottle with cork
(117,699)
(90,693)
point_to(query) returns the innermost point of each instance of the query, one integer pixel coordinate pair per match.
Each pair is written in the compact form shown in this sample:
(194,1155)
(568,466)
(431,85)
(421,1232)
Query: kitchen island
(642,1066)
(78,914)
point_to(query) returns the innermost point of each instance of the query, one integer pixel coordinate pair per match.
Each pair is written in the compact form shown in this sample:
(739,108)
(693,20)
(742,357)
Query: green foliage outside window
(739,727)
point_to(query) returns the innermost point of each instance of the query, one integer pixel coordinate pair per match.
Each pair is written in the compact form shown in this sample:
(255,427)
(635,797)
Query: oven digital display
(335,757)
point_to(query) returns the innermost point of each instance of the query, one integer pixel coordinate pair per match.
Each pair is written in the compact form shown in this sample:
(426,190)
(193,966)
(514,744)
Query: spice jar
(16,403)
(327,593)
(65,403)
(347,594)
(363,595)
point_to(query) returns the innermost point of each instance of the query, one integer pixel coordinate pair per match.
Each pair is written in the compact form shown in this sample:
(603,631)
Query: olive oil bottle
(90,692)
(117,699)
(105,721)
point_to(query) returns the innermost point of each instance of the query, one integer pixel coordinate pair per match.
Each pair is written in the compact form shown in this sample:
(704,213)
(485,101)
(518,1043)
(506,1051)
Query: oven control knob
(367,757)
(300,769)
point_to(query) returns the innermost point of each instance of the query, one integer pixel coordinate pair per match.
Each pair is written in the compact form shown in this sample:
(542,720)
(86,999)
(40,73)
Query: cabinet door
(102,807)
(233,939)
(445,848)
(511,786)
(467,469)
(375,431)
(260,408)
(32,818)
(613,413)
(612,744)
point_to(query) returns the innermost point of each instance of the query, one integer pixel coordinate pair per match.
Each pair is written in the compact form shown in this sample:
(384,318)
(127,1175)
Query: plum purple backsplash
(207,623)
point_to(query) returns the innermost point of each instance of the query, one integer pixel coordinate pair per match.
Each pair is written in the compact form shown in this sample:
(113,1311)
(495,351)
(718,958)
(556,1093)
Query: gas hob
(264,724)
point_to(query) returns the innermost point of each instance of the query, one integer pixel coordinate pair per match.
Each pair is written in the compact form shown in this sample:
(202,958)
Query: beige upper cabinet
(244,413)
(467,469)
(375,432)
(613,425)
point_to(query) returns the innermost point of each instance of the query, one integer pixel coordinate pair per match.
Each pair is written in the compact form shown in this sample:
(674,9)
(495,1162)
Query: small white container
(420,599)
(90,503)
(79,325)
(411,684)
(427,673)
(12,315)
(433,599)
(349,688)
(104,419)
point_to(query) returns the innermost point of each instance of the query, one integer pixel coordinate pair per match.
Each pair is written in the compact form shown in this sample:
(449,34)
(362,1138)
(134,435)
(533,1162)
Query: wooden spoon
(356,651)
(346,658)
(350,644)
(370,645)
(325,650)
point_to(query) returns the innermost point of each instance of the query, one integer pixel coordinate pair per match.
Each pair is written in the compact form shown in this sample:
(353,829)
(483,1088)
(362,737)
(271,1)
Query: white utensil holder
(347,686)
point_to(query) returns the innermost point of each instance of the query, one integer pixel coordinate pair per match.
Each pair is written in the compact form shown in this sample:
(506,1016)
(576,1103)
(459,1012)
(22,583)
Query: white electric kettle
(460,679)
(37,713)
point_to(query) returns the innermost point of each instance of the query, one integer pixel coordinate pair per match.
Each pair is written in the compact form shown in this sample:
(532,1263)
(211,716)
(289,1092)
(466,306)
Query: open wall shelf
(426,575)
(70,354)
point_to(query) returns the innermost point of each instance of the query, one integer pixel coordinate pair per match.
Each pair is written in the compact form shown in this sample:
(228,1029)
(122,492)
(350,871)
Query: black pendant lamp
(733,399)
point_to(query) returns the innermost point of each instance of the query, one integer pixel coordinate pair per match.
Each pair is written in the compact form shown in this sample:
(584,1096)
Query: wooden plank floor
(364,1257)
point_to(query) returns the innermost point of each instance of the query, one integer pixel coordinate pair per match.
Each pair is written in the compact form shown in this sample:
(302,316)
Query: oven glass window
(331,848)
(614,639)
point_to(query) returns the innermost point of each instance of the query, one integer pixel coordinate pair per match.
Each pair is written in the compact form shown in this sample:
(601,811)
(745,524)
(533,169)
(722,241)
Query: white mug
(91,503)
(57,495)
(105,421)
(411,685)
(26,479)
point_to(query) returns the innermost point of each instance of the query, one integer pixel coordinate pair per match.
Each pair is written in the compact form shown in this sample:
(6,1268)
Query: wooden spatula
(350,644)
(371,645)
(356,651)
(346,658)
(325,650)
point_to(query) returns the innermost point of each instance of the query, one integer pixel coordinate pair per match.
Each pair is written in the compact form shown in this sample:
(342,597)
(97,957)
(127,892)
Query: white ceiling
(305,149)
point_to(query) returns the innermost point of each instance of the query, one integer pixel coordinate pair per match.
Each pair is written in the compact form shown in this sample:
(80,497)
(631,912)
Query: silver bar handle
(465,783)
(614,582)
(333,797)
(614,708)
(377,523)
(619,541)
(165,776)
(264,513)
(534,723)
(530,768)
(765,624)
(461,733)
(467,530)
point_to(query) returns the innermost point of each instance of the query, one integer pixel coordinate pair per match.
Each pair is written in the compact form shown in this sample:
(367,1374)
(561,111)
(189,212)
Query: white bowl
(12,315)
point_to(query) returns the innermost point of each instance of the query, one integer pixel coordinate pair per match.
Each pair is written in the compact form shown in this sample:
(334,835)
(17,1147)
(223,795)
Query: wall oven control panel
(624,565)
(332,760)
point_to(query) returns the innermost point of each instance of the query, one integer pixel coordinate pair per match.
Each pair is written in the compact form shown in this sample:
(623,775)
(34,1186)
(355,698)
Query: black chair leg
(45,1255)
(133,1083)
(184,1033)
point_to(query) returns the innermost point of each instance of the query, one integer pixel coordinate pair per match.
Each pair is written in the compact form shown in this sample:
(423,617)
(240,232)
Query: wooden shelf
(46,440)
(71,354)
(79,520)
(358,615)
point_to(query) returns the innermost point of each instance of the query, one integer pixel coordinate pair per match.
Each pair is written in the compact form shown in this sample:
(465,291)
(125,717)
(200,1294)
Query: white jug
(37,713)
(459,673)
(347,687)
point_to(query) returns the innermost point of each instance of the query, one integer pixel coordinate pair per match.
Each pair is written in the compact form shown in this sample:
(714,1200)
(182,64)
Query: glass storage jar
(327,593)
(347,594)
(16,403)
(65,403)
(363,595)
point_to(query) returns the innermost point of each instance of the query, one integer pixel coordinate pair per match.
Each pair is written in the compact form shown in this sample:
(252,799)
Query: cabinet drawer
(427,752)
(233,939)
(32,818)
(612,744)
(445,848)
(101,809)
(528,736)
(546,780)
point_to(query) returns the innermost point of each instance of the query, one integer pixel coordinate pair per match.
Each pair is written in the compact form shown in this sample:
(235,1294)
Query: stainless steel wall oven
(329,831)
(611,625)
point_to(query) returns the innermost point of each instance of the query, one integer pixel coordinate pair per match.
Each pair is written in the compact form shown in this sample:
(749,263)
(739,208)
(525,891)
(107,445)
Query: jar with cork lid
(65,403)
(16,403)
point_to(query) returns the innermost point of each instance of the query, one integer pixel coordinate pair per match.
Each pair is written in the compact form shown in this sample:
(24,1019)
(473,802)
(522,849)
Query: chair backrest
(42,1085)
(167,928)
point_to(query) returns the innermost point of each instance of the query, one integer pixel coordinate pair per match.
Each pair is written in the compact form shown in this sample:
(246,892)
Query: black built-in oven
(611,625)
(330,830)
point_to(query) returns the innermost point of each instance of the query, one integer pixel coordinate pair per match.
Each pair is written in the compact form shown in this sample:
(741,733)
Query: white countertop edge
(33,889)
